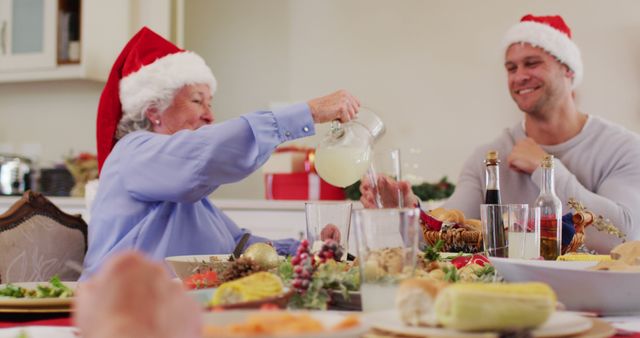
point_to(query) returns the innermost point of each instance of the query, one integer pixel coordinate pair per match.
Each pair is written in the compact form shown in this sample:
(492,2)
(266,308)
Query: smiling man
(596,161)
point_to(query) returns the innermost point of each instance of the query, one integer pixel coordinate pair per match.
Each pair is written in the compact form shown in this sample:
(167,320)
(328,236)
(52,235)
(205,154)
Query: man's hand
(526,156)
(340,105)
(133,297)
(387,188)
(330,231)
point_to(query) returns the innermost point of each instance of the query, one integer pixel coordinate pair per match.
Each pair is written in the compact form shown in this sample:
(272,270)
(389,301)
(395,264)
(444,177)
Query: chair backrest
(37,239)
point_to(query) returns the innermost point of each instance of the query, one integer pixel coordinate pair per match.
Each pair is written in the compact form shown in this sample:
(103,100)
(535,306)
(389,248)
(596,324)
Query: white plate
(40,332)
(603,292)
(328,319)
(10,304)
(559,324)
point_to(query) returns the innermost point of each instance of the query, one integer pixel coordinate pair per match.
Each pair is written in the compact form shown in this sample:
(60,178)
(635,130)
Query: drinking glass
(531,245)
(521,225)
(524,231)
(385,163)
(328,220)
(387,246)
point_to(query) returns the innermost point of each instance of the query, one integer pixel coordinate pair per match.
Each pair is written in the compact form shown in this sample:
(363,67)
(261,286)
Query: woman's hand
(388,189)
(340,105)
(133,297)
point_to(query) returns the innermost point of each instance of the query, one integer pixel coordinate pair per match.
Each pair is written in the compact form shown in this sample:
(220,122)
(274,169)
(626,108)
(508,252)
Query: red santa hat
(148,68)
(553,35)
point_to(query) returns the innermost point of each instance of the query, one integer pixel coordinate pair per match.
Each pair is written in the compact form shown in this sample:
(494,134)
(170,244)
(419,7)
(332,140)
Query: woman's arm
(189,165)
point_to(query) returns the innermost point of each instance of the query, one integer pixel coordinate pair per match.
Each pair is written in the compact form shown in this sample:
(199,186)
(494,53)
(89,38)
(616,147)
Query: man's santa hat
(148,68)
(553,35)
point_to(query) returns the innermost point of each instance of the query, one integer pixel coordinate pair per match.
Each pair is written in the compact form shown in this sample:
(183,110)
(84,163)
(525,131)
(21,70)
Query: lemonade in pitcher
(342,166)
(344,155)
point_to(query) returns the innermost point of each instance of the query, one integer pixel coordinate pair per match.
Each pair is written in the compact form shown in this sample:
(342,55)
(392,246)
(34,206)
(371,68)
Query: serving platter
(605,293)
(559,324)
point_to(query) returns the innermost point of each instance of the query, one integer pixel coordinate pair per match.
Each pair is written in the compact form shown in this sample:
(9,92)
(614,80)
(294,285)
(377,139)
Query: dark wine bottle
(492,196)
(492,178)
(495,231)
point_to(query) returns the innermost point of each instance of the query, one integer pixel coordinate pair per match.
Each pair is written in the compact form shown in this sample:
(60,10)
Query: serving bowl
(603,292)
(204,296)
(187,265)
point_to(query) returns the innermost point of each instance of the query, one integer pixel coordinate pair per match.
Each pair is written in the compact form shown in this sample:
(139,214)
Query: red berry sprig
(303,266)
(330,250)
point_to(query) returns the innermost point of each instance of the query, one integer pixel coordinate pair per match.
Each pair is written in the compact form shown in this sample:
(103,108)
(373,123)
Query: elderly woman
(160,154)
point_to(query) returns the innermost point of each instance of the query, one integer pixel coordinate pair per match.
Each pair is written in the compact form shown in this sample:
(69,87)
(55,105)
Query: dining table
(60,325)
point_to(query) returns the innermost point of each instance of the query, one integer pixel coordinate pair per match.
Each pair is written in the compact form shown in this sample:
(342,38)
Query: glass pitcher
(344,155)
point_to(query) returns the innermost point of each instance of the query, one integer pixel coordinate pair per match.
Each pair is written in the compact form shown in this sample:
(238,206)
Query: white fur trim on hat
(551,40)
(161,78)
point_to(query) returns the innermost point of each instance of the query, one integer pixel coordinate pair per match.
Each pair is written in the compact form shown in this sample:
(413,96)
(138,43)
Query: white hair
(155,85)
(133,120)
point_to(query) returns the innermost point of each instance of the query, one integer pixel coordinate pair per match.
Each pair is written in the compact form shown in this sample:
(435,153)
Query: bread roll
(628,252)
(620,266)
(473,224)
(437,213)
(415,299)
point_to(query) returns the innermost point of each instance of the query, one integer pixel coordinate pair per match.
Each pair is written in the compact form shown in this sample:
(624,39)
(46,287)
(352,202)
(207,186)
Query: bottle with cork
(495,232)
(492,178)
(550,213)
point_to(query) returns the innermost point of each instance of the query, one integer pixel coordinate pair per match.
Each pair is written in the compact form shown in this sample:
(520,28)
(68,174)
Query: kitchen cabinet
(27,35)
(104,28)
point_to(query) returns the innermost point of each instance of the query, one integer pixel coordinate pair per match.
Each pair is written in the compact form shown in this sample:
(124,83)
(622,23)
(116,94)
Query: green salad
(54,289)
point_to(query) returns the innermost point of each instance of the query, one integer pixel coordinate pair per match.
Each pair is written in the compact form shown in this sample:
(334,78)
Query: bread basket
(465,235)
(457,233)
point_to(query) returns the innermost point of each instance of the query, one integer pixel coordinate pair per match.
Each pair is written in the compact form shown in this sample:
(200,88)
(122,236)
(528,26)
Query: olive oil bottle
(550,213)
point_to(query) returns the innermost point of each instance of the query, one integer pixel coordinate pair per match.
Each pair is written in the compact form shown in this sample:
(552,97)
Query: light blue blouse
(153,191)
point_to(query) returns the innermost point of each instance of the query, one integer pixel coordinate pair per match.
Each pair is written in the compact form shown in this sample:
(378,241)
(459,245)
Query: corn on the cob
(477,307)
(584,257)
(258,286)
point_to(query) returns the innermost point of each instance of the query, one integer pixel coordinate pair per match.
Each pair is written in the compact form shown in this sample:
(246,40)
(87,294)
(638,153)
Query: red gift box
(300,186)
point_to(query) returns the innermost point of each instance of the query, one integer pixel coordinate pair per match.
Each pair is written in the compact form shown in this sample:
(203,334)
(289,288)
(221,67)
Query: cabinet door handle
(3,39)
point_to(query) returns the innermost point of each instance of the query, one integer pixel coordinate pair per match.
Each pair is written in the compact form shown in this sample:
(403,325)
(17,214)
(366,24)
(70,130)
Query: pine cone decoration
(241,267)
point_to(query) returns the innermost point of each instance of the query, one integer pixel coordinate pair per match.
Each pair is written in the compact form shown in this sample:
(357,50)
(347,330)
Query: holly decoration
(312,277)
(303,267)
(330,250)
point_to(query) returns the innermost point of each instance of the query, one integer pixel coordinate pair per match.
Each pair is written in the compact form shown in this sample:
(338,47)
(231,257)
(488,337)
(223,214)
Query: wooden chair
(37,239)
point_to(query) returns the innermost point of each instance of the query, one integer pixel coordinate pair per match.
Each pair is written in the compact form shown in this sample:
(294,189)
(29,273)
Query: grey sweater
(599,167)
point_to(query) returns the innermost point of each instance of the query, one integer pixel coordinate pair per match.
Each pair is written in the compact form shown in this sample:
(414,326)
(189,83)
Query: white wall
(59,116)
(431,69)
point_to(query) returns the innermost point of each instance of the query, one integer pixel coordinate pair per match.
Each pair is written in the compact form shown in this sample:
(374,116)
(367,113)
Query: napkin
(568,229)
